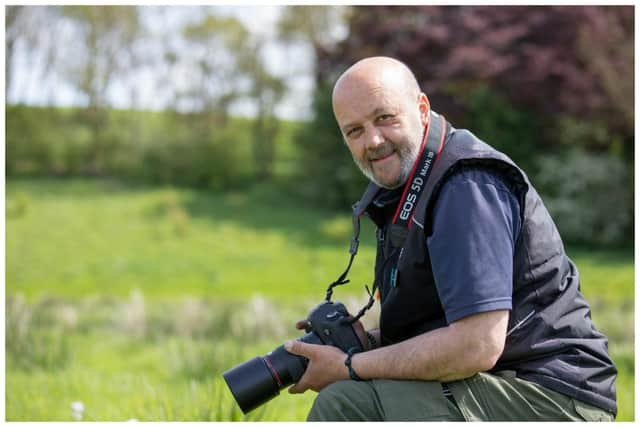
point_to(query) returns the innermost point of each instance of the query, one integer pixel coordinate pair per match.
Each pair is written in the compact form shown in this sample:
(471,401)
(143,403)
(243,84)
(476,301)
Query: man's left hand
(326,365)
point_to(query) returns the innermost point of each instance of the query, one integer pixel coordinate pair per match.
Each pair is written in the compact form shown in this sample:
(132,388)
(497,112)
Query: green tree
(267,90)
(231,68)
(320,27)
(327,174)
(12,13)
(30,35)
(106,35)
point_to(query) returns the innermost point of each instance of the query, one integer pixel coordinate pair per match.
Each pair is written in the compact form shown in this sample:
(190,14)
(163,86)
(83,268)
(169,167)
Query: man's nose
(374,137)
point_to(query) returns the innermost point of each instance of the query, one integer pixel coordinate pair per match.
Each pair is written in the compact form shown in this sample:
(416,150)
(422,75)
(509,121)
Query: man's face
(382,128)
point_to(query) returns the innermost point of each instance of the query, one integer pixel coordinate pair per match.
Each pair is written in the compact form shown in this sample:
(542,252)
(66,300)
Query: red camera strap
(430,149)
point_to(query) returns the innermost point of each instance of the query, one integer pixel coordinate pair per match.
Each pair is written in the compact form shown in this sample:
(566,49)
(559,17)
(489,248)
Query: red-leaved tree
(552,60)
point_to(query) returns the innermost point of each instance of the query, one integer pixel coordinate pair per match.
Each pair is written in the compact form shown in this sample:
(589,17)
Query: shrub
(327,175)
(510,130)
(587,195)
(194,150)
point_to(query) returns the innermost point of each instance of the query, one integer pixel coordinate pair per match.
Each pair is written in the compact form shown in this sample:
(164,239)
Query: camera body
(330,322)
(258,380)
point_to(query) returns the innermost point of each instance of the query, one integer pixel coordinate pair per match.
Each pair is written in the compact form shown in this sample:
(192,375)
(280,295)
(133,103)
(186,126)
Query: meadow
(133,300)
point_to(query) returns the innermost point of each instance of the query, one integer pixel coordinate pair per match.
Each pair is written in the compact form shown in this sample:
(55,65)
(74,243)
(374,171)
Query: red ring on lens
(274,373)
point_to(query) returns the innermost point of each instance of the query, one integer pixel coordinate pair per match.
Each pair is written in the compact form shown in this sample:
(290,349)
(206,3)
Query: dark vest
(550,337)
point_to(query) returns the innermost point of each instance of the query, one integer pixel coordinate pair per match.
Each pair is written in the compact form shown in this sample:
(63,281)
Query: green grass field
(134,300)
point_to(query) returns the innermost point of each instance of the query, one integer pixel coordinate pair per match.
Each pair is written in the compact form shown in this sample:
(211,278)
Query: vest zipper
(520,323)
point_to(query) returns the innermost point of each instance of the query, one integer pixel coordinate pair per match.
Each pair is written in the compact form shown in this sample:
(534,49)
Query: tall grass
(167,370)
(133,301)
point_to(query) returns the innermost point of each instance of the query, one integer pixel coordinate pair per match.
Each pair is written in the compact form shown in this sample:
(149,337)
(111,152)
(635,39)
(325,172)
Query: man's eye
(353,131)
(384,117)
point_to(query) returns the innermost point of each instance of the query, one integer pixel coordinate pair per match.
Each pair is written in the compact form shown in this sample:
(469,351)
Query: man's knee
(346,401)
(328,404)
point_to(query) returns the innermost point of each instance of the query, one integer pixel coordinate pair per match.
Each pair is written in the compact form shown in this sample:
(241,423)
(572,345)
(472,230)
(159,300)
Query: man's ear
(425,107)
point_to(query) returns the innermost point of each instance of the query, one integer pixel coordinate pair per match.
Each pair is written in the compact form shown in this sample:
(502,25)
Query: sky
(294,63)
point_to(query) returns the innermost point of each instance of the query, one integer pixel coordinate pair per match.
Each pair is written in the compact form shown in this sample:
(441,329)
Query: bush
(587,195)
(327,174)
(512,131)
(195,150)
(218,161)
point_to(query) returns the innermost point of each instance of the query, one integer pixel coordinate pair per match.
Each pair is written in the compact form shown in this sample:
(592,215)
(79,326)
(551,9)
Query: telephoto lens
(260,379)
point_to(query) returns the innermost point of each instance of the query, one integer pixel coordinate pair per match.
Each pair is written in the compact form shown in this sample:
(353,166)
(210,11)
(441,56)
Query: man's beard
(408,155)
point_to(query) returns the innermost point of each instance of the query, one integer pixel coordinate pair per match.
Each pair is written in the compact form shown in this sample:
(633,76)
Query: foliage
(217,47)
(326,175)
(539,57)
(163,148)
(587,196)
(206,65)
(578,186)
(105,35)
(508,129)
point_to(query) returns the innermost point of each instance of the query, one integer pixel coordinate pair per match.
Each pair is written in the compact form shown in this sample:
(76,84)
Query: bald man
(481,313)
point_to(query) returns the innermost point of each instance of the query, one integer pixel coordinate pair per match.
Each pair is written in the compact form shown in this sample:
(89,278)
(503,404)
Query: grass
(134,300)
(86,238)
(164,363)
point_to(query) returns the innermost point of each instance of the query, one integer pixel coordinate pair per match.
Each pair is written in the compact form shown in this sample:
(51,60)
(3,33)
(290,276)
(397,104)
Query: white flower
(77,408)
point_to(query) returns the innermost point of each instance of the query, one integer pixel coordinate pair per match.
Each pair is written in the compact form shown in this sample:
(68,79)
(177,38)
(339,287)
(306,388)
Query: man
(481,313)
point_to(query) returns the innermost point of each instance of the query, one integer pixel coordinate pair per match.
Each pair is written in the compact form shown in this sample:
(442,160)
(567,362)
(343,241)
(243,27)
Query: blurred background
(178,193)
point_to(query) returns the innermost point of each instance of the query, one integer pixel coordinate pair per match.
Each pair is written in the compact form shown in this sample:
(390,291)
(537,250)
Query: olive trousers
(483,397)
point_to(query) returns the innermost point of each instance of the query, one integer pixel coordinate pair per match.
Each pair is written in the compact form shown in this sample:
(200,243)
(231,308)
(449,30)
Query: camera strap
(432,143)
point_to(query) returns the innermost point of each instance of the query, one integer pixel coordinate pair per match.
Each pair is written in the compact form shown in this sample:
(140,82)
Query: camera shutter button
(308,327)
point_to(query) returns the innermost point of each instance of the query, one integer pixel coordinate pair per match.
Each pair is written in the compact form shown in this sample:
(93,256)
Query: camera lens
(251,383)
(260,379)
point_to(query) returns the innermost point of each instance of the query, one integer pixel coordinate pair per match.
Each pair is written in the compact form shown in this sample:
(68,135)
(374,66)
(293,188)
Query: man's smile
(383,157)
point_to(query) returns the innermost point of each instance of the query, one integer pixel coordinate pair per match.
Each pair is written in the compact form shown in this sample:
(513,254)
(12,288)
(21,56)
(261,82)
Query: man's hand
(357,327)
(326,365)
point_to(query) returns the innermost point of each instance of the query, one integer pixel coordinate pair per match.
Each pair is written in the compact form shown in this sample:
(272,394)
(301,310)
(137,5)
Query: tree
(553,60)
(326,174)
(106,35)
(317,26)
(214,82)
(11,35)
(266,90)
(231,68)
(29,37)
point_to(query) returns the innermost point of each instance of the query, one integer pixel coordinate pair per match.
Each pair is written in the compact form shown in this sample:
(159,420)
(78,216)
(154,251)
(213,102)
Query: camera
(258,380)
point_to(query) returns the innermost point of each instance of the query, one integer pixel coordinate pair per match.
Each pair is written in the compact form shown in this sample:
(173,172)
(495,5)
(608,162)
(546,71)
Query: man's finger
(297,388)
(299,348)
(301,324)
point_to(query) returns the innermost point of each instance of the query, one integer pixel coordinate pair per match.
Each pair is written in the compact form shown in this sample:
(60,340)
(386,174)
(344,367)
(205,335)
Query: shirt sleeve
(476,222)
